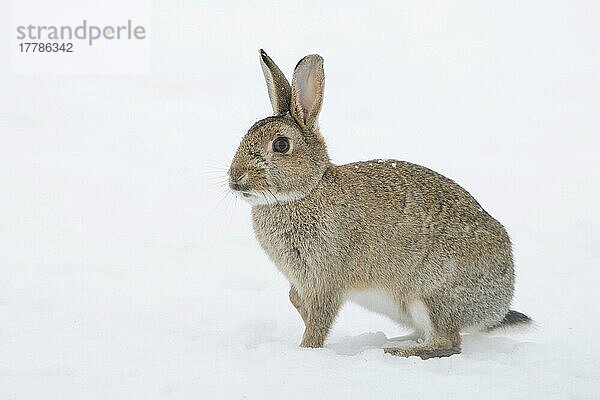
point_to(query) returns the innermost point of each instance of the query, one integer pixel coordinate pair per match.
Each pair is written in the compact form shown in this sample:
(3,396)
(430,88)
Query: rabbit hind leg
(438,346)
(416,315)
(431,342)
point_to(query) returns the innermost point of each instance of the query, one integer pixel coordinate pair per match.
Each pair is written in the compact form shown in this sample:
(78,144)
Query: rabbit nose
(238,181)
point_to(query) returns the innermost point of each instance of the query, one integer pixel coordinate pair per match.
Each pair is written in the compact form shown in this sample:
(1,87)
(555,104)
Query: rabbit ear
(308,84)
(278,85)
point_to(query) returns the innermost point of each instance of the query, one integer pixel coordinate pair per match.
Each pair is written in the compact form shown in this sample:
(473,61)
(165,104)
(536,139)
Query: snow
(127,271)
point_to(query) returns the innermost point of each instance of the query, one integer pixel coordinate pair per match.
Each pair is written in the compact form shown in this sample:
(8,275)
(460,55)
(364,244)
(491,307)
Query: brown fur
(384,224)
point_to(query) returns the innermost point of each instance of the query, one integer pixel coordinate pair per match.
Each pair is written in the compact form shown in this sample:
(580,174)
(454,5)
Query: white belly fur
(378,301)
(416,314)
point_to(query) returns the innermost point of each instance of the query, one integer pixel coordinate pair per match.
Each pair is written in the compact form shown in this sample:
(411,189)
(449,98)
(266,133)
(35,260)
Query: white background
(126,271)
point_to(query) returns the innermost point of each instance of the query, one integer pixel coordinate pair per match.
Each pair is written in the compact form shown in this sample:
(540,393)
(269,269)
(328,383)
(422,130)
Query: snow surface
(127,272)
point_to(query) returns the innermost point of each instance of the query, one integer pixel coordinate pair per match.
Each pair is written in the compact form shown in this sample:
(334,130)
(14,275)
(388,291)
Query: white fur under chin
(267,198)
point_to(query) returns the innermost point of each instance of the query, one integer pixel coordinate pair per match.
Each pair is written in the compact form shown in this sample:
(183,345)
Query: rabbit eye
(281,145)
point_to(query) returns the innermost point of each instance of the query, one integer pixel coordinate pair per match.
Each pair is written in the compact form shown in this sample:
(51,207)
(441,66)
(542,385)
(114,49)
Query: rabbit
(395,237)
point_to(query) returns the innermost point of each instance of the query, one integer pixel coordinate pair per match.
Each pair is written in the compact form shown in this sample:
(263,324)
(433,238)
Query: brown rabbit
(395,237)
